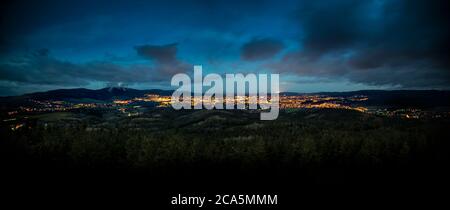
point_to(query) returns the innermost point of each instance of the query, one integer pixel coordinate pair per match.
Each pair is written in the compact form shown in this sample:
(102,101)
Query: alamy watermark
(241,92)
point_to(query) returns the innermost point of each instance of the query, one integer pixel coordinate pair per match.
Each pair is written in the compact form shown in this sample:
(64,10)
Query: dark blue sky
(321,45)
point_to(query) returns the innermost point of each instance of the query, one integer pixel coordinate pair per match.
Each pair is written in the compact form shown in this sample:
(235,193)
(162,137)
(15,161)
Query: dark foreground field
(305,156)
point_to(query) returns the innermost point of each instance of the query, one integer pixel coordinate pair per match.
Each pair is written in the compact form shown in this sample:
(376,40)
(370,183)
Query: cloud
(399,43)
(160,53)
(102,21)
(261,49)
(41,68)
(165,58)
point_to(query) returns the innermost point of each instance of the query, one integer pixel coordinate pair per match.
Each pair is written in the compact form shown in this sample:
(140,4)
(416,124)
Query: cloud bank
(350,43)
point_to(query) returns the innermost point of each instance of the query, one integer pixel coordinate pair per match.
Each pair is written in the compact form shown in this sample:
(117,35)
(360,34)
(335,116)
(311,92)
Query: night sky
(331,45)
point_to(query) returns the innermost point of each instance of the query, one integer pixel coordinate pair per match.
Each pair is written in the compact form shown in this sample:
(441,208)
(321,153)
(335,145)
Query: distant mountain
(105,94)
(100,94)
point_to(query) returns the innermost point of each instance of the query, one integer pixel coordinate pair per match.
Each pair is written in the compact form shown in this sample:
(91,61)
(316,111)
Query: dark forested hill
(105,94)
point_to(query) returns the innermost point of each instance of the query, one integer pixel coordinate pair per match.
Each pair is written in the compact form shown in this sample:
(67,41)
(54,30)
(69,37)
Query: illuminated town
(286,102)
(139,105)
